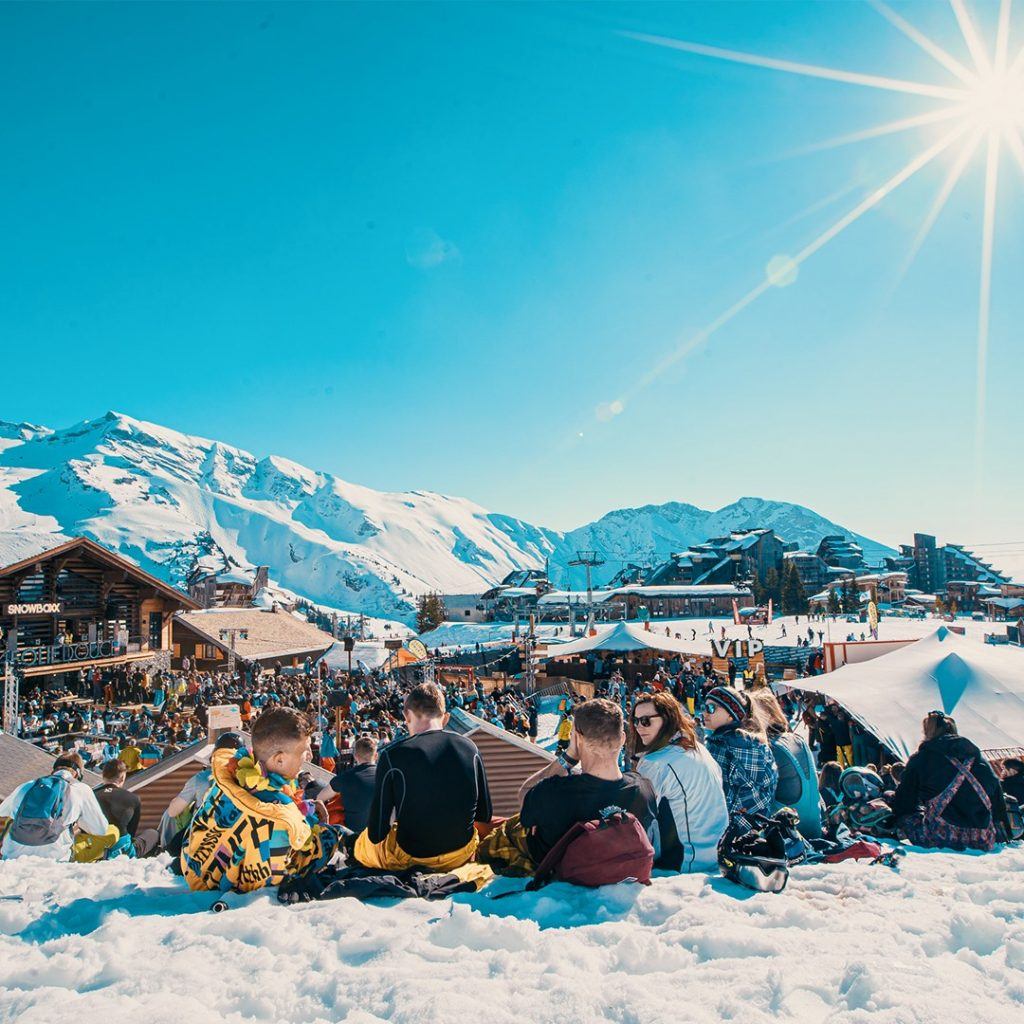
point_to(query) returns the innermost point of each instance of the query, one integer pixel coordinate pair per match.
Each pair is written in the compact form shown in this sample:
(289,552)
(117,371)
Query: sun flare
(979,104)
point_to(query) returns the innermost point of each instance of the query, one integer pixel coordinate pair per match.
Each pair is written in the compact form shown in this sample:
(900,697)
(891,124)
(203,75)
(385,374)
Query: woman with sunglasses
(737,741)
(692,814)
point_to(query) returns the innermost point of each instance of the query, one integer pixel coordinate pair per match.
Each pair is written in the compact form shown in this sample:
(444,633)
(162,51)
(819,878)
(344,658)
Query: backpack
(612,848)
(1013,812)
(39,820)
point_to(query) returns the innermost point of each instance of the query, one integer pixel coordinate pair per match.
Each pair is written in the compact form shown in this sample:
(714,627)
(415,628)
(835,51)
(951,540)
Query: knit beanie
(735,702)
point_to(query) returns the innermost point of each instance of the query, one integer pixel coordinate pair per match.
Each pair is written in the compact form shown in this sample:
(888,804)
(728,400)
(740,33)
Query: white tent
(624,636)
(367,653)
(980,685)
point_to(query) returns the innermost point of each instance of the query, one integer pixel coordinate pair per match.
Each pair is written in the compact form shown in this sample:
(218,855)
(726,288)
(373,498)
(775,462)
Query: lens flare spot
(782,271)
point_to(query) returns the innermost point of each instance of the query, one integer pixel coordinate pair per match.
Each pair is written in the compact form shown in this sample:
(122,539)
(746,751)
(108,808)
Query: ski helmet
(860,784)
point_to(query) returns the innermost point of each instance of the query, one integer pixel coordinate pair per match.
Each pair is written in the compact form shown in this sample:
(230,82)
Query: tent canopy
(624,636)
(980,685)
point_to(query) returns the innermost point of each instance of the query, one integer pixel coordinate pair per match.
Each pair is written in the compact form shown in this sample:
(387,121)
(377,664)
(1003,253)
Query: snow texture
(941,941)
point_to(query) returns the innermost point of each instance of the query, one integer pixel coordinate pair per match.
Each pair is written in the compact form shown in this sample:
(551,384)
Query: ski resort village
(161,595)
(553,550)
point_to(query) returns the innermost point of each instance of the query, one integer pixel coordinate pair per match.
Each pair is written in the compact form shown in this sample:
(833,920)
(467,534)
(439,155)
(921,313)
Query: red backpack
(613,848)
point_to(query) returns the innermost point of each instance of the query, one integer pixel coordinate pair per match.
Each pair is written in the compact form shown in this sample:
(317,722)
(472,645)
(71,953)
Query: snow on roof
(465,724)
(572,596)
(684,590)
(517,592)
(235,576)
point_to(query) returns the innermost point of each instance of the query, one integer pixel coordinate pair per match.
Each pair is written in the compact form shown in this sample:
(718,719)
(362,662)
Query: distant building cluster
(738,570)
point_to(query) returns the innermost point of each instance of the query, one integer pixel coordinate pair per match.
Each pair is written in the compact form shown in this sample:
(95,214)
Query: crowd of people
(662,770)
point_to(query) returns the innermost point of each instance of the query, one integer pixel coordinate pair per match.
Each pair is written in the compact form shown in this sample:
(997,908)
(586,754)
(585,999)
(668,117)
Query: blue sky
(420,246)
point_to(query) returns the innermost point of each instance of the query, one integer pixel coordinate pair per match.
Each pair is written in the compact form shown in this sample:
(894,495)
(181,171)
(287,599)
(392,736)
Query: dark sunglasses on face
(645,721)
(711,707)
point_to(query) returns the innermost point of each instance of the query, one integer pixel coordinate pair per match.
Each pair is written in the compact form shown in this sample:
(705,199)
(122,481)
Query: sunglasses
(710,707)
(645,721)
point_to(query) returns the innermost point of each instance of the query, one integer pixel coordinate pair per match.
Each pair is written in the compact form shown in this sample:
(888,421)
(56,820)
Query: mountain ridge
(163,498)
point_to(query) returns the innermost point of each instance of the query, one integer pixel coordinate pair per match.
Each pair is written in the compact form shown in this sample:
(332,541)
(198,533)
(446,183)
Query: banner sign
(35,608)
(59,654)
(739,648)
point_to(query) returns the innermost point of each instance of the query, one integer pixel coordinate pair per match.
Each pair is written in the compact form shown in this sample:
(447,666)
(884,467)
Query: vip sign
(737,648)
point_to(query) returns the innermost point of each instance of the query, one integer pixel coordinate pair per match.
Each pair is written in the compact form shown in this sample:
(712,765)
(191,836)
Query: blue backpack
(39,820)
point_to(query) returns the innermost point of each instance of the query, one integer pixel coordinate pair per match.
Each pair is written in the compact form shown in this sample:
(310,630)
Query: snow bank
(940,941)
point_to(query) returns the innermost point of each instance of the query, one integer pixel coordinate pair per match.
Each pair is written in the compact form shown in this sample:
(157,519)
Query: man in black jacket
(356,785)
(429,790)
(949,796)
(123,808)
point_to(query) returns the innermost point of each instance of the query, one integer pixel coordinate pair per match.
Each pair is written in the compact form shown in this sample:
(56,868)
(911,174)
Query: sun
(979,104)
(996,103)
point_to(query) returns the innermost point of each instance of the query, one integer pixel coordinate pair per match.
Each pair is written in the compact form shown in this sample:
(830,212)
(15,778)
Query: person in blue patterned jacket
(736,739)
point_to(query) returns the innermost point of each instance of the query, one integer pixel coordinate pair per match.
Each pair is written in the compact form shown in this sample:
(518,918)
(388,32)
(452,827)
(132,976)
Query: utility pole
(231,635)
(590,560)
(531,641)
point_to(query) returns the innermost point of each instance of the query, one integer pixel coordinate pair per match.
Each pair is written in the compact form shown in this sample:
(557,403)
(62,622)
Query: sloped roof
(21,761)
(101,554)
(623,636)
(465,724)
(270,634)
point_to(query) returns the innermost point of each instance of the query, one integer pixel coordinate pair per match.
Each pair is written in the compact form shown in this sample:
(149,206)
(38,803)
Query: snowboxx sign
(35,608)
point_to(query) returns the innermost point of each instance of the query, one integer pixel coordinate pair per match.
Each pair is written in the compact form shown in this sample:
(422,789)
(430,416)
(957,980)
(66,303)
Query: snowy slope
(940,942)
(163,498)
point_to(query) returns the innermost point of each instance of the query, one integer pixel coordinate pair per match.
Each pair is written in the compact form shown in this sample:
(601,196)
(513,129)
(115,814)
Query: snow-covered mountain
(163,498)
(649,534)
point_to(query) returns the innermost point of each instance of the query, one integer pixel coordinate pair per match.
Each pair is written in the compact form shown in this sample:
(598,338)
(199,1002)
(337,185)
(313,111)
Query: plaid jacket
(749,773)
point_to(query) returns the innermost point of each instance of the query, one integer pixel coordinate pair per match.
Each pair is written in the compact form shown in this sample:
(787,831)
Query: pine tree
(772,587)
(794,597)
(430,612)
(833,601)
(851,597)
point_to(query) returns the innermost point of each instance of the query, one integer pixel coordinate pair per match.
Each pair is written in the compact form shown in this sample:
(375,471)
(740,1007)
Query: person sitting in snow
(557,797)
(737,741)
(253,828)
(687,783)
(44,813)
(430,789)
(949,795)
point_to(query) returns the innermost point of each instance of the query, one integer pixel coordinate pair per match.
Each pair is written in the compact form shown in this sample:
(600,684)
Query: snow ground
(939,942)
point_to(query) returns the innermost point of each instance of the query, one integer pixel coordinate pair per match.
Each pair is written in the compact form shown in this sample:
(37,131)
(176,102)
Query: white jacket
(81,808)
(692,813)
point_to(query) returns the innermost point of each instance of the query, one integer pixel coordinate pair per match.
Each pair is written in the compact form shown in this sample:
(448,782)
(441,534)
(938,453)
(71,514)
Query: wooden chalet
(79,605)
(262,637)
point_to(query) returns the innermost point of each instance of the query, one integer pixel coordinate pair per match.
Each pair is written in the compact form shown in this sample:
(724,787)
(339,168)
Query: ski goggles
(762,878)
